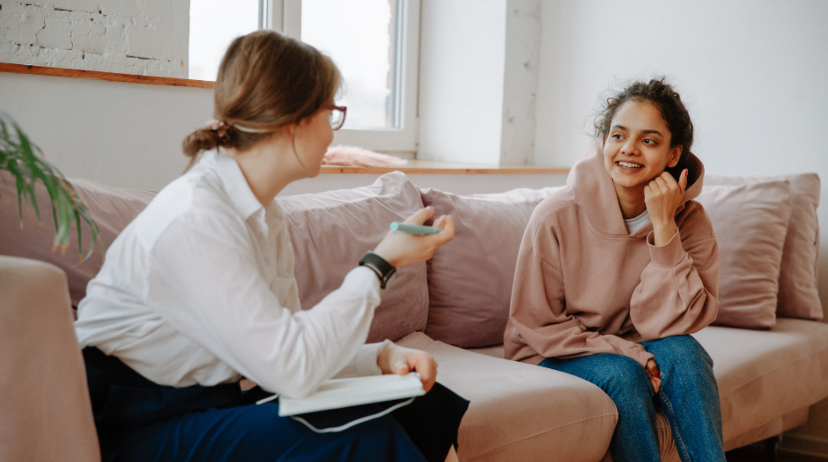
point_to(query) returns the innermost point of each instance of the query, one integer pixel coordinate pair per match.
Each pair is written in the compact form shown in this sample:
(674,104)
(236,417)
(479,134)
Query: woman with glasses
(198,292)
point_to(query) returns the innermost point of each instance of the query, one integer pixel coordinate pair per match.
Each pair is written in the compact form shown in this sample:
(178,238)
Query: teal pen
(414,229)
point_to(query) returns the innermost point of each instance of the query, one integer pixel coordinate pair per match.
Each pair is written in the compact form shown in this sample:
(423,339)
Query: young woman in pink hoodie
(618,268)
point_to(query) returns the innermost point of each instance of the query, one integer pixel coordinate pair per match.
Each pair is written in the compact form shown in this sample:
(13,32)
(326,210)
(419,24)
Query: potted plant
(27,165)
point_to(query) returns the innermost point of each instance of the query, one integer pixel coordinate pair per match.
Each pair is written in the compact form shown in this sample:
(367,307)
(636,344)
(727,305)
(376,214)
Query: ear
(289,130)
(675,155)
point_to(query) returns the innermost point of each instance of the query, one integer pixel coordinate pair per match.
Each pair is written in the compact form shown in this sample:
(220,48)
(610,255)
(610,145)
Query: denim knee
(617,375)
(625,377)
(680,351)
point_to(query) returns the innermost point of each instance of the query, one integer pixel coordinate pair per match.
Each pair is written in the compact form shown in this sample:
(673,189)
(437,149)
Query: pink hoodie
(584,286)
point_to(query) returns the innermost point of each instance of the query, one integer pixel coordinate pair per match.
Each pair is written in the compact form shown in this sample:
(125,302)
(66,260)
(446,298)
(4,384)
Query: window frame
(285,16)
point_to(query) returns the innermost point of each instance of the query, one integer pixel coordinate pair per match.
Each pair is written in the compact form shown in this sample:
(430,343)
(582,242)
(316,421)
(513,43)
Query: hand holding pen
(410,245)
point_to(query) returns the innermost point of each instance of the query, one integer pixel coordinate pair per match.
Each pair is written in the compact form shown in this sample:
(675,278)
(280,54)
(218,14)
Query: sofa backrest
(470,278)
(112,209)
(330,232)
(750,222)
(798,296)
(462,296)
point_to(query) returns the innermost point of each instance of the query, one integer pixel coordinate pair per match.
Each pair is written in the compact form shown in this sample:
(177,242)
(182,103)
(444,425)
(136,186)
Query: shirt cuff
(668,255)
(366,360)
(363,279)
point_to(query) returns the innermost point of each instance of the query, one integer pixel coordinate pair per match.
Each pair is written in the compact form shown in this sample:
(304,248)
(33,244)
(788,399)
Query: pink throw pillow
(470,279)
(111,208)
(331,231)
(750,222)
(798,295)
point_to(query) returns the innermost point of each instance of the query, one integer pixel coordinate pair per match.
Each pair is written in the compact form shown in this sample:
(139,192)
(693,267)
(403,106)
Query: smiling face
(637,147)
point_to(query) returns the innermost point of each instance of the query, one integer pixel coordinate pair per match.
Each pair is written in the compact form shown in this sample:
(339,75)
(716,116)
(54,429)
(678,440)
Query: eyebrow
(656,132)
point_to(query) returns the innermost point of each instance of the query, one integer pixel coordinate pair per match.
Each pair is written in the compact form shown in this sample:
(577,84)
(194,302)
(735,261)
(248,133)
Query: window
(398,37)
(360,37)
(212,27)
(373,42)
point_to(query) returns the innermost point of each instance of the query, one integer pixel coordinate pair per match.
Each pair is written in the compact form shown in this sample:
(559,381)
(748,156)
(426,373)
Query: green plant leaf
(25,162)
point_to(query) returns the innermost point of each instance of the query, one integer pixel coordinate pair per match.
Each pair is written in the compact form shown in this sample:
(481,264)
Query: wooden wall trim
(98,75)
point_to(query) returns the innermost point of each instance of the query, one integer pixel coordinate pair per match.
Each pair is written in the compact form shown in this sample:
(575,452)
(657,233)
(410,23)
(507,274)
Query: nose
(630,147)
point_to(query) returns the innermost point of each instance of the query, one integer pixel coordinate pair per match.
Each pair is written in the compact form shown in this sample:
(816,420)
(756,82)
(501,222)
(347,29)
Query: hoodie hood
(594,191)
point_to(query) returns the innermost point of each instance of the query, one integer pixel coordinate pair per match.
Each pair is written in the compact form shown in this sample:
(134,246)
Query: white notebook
(339,393)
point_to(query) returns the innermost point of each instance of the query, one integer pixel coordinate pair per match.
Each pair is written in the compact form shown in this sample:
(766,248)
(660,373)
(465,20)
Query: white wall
(148,37)
(120,134)
(462,46)
(753,73)
(478,79)
(520,81)
(129,135)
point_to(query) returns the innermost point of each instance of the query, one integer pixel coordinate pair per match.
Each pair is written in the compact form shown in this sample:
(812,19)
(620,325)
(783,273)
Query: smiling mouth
(629,165)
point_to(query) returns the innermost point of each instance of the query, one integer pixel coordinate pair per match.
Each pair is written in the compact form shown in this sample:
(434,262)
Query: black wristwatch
(385,272)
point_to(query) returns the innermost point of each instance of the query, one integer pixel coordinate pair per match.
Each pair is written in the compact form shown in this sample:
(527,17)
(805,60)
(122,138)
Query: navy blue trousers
(138,420)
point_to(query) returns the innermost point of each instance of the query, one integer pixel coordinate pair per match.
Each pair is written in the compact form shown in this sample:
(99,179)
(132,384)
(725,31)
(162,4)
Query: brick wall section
(144,37)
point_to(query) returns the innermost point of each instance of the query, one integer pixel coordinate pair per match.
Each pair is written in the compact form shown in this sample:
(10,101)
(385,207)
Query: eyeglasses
(337,117)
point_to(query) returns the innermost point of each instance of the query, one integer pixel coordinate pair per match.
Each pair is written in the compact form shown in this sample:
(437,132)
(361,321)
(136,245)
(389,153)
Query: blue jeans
(689,397)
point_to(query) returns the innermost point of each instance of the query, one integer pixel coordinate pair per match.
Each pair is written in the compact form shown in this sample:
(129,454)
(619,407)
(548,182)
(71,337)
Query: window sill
(428,167)
(98,75)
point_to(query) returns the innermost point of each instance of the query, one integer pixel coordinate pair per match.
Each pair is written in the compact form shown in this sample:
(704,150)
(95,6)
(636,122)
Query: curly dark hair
(668,101)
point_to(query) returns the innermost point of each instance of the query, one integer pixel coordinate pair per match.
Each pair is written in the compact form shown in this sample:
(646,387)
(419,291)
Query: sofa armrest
(45,412)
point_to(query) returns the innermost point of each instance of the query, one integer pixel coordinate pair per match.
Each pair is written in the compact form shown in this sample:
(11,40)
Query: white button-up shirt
(199,289)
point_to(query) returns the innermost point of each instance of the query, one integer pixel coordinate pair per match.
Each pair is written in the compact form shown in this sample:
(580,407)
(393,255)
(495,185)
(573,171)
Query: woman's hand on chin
(663,196)
(394,359)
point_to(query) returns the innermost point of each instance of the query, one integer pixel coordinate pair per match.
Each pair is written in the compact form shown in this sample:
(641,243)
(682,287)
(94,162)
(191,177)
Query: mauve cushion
(470,279)
(750,222)
(331,231)
(798,295)
(111,208)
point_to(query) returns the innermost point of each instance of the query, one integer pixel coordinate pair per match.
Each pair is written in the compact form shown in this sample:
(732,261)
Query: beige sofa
(767,378)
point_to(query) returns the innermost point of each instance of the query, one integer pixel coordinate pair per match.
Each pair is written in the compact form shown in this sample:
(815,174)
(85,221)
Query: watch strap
(383,269)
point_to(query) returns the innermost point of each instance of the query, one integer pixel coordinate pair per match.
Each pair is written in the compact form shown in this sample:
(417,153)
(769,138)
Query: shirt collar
(234,183)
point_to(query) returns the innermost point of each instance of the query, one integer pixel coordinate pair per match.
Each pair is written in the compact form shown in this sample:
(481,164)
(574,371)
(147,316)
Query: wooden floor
(758,453)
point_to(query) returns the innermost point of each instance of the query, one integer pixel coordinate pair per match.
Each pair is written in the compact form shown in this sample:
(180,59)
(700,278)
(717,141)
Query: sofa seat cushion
(519,411)
(667,446)
(763,375)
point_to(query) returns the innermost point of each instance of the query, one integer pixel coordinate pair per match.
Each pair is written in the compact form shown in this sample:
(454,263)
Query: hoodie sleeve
(539,326)
(678,290)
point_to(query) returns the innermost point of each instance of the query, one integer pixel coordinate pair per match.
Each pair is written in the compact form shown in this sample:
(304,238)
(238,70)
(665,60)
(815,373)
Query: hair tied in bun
(218,126)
